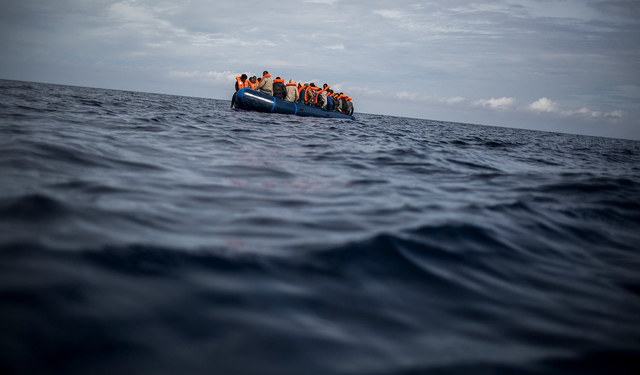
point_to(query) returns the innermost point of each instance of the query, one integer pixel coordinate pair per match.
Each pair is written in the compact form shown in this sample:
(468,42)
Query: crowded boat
(307,94)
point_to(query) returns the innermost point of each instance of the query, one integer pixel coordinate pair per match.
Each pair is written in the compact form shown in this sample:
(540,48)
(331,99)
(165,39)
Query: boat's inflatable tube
(257,101)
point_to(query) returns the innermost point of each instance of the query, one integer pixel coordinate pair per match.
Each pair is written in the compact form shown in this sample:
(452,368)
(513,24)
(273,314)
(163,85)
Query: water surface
(147,233)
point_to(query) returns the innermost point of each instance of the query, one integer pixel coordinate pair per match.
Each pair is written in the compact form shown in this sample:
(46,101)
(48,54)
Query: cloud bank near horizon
(499,62)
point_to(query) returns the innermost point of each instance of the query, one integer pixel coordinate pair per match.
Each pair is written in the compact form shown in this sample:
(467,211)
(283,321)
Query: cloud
(500,104)
(617,114)
(544,105)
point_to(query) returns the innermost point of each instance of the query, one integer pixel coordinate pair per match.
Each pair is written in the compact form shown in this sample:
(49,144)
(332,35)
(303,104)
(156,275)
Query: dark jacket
(279,88)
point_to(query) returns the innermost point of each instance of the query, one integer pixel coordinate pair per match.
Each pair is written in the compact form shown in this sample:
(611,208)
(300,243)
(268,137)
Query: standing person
(292,92)
(279,88)
(266,84)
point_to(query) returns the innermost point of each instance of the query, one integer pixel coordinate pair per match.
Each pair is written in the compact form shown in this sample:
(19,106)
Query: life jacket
(306,94)
(241,84)
(266,75)
(279,88)
(292,84)
(321,91)
(252,85)
(302,93)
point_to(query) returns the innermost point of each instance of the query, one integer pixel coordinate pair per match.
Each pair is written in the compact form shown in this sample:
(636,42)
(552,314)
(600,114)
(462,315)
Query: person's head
(252,79)
(278,78)
(324,86)
(243,77)
(291,81)
(312,84)
(259,80)
(265,73)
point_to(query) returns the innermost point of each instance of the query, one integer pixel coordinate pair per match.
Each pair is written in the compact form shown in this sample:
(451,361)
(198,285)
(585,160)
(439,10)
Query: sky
(569,66)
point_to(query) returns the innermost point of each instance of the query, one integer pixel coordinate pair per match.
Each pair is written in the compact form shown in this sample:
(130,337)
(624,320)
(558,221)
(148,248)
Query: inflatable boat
(253,100)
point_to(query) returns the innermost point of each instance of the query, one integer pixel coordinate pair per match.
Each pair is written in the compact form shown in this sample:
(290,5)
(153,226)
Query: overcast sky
(570,66)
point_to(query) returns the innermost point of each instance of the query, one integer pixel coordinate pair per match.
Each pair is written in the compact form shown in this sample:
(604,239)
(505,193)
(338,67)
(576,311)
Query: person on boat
(341,105)
(321,97)
(349,110)
(241,82)
(344,104)
(343,99)
(329,100)
(279,88)
(310,95)
(302,93)
(266,84)
(253,82)
(292,92)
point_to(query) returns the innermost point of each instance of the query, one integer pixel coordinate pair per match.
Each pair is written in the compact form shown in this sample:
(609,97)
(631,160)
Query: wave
(383,246)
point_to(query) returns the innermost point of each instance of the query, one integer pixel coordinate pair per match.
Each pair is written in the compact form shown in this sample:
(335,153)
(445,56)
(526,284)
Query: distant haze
(570,66)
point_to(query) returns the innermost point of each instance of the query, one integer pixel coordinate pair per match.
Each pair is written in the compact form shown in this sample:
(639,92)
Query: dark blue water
(146,233)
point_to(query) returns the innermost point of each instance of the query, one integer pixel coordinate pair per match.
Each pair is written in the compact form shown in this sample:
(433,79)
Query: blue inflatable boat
(253,100)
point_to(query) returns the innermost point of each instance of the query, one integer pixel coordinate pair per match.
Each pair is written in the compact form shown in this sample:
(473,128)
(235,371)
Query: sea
(155,234)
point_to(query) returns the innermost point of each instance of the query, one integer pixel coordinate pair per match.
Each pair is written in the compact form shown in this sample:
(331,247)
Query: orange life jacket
(278,80)
(300,92)
(241,84)
(306,93)
(292,84)
(266,75)
(321,91)
(252,85)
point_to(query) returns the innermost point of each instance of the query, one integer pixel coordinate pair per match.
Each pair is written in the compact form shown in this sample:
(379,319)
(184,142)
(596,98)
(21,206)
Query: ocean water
(147,233)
